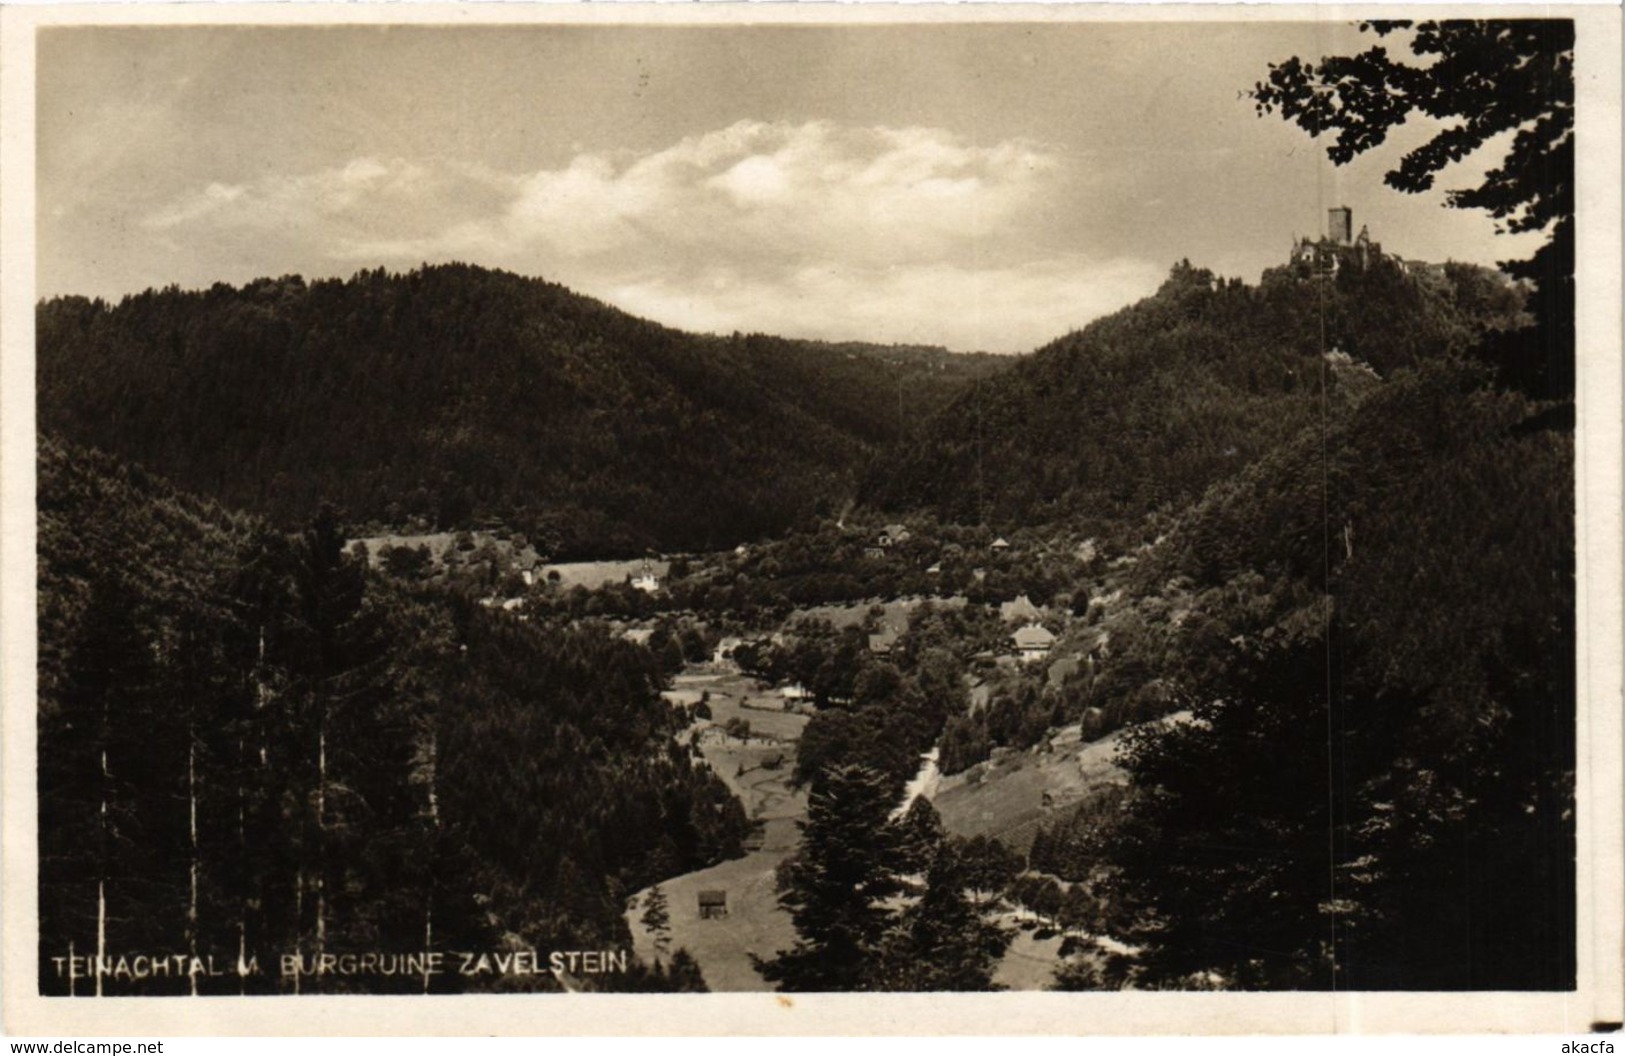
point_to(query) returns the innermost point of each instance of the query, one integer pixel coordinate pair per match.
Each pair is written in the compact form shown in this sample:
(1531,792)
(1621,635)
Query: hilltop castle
(1339,248)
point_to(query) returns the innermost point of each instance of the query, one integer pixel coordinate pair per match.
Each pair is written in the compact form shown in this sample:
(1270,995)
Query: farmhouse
(999,545)
(795,693)
(893,534)
(1033,642)
(882,644)
(647,582)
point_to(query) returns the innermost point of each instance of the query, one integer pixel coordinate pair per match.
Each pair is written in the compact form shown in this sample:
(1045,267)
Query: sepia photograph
(1073,505)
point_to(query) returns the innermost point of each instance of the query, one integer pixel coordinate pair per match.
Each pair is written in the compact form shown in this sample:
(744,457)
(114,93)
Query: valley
(796,666)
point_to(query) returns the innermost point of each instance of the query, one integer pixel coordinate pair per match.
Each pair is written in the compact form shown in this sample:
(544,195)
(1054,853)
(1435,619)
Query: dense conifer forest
(250,748)
(1364,664)
(1139,412)
(455,395)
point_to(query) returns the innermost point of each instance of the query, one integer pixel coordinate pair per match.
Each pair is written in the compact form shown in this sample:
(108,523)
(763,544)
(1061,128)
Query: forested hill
(1144,409)
(454,394)
(231,718)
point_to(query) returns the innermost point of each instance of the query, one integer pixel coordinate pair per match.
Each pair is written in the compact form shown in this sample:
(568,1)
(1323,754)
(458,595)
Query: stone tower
(1340,225)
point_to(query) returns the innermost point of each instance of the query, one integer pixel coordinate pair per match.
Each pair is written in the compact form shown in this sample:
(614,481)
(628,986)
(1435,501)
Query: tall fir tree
(840,883)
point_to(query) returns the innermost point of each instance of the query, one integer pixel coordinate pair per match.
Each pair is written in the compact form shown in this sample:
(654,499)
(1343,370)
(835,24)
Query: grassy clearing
(896,615)
(437,542)
(595,574)
(1029,963)
(1004,797)
(755,922)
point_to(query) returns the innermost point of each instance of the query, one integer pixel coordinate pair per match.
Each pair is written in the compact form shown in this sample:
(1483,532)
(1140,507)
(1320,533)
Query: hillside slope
(229,716)
(1141,411)
(454,394)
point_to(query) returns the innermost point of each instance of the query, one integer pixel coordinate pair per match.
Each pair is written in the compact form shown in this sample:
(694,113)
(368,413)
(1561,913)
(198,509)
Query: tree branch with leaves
(1483,80)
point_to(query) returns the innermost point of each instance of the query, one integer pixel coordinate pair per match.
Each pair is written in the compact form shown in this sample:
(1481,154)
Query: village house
(647,582)
(999,545)
(893,534)
(1033,642)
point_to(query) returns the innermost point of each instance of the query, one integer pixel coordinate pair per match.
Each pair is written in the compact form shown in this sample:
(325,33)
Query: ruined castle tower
(1340,225)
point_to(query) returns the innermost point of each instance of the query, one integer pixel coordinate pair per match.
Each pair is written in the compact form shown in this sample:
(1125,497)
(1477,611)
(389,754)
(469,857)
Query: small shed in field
(713,905)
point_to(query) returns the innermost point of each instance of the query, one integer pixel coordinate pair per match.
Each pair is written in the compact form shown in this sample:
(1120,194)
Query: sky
(981,187)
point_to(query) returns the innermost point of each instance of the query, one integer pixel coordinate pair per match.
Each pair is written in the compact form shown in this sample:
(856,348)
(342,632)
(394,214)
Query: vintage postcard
(796,519)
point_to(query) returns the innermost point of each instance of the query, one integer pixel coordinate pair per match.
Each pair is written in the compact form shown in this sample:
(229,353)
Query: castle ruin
(1338,248)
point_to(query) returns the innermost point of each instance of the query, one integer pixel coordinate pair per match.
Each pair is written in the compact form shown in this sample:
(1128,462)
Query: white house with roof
(1033,642)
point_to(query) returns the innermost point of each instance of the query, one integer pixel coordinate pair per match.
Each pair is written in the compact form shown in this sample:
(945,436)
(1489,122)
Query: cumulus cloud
(817,191)
(816,229)
(341,205)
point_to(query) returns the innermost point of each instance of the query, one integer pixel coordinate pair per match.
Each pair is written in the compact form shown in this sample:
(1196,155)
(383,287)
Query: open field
(437,542)
(896,616)
(736,696)
(755,923)
(1029,963)
(589,574)
(1004,797)
(595,574)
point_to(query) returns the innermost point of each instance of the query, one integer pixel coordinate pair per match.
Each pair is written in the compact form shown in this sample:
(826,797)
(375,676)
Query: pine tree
(944,941)
(919,835)
(656,918)
(684,976)
(839,883)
